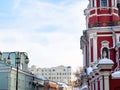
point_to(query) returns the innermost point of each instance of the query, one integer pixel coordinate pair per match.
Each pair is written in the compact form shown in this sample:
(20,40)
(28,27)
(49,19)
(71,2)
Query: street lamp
(17,62)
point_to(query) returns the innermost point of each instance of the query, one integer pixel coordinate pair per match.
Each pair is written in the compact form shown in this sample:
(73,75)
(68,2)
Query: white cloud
(16,4)
(40,14)
(45,49)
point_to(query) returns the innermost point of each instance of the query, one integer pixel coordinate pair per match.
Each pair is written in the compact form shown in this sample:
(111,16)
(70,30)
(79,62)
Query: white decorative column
(90,86)
(106,81)
(105,66)
(96,84)
(101,83)
(95,47)
(93,85)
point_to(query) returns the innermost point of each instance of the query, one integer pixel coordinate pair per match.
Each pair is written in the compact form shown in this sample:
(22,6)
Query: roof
(116,74)
(42,78)
(95,67)
(83,87)
(105,61)
(89,70)
(62,84)
(53,84)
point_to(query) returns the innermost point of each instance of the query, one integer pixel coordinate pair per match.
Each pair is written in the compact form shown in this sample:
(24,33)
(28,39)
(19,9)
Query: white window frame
(103,4)
(115,3)
(105,44)
(95,3)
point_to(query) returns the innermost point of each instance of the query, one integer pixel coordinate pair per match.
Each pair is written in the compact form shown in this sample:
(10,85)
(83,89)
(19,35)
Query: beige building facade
(58,74)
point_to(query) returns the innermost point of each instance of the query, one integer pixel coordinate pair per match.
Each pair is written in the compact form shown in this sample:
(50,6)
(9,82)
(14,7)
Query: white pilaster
(101,83)
(106,82)
(84,56)
(91,3)
(112,2)
(95,47)
(95,3)
(89,52)
(93,85)
(96,84)
(90,86)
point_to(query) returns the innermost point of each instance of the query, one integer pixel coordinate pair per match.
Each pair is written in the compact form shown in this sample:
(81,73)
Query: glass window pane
(103,3)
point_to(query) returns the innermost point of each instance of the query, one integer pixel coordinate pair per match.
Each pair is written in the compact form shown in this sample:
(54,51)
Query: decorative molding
(104,24)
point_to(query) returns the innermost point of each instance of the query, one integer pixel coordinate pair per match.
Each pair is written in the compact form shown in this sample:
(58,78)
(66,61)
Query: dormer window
(103,3)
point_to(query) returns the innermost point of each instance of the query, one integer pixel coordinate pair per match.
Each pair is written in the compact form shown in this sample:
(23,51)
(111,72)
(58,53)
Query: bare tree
(78,75)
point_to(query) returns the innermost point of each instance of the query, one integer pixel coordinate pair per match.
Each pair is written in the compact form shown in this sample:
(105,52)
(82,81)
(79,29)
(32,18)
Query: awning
(53,85)
(38,84)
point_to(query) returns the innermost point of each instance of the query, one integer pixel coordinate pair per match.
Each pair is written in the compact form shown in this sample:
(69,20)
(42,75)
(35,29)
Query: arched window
(104,49)
(103,3)
(105,52)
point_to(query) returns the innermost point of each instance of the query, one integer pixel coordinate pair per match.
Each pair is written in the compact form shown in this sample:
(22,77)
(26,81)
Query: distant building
(8,69)
(8,73)
(57,74)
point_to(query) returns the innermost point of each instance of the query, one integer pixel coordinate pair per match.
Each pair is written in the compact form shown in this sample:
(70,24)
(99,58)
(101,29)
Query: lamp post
(17,62)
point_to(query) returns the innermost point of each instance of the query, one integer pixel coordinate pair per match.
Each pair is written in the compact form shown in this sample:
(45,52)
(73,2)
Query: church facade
(100,44)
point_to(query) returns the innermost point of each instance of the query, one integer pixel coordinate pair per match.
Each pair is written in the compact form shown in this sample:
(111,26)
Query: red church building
(100,44)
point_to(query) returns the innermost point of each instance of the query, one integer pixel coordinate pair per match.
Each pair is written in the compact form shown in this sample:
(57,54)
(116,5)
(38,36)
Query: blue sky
(48,30)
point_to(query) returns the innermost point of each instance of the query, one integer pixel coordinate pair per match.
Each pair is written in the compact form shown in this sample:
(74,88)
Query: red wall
(99,45)
(103,14)
(114,84)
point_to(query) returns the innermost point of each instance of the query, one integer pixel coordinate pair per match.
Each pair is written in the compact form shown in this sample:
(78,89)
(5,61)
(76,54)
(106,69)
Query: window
(103,3)
(93,3)
(105,52)
(104,49)
(118,6)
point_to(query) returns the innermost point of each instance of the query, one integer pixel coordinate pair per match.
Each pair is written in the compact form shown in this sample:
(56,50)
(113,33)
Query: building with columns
(100,44)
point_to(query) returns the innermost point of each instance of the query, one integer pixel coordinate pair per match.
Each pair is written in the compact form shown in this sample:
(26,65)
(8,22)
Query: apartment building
(58,74)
